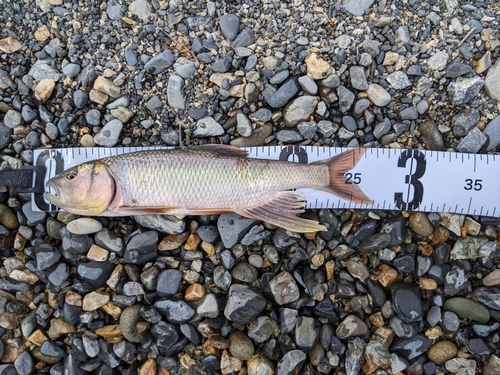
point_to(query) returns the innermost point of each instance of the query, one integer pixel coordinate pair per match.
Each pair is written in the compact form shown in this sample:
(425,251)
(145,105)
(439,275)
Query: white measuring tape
(395,179)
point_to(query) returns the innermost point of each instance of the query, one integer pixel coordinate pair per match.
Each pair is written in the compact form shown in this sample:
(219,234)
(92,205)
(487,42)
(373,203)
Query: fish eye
(71,175)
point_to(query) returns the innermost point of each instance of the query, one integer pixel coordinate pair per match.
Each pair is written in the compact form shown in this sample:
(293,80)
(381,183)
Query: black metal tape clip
(27,179)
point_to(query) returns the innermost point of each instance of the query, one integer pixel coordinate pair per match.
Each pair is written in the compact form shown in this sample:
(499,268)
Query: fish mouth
(57,196)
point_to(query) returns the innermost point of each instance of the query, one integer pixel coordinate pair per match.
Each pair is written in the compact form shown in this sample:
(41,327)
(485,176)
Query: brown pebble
(37,355)
(109,331)
(192,242)
(112,310)
(194,292)
(148,367)
(44,89)
(172,242)
(97,253)
(442,351)
(241,346)
(377,320)
(142,327)
(9,320)
(229,364)
(427,284)
(433,333)
(440,235)
(59,327)
(209,349)
(73,298)
(427,250)
(421,225)
(38,337)
(493,278)
(387,275)
(8,218)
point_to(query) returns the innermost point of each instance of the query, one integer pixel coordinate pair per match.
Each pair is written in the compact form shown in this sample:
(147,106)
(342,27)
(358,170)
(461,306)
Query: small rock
(207,127)
(464,90)
(300,109)
(442,352)
(109,134)
(467,309)
(438,61)
(351,326)
(241,346)
(378,95)
(84,225)
(243,304)
(317,68)
(492,81)
(44,89)
(160,62)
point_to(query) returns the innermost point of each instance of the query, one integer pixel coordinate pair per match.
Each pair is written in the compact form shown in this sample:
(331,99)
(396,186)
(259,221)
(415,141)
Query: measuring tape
(394,179)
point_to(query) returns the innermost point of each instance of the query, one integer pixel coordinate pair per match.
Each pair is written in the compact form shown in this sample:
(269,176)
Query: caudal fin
(343,185)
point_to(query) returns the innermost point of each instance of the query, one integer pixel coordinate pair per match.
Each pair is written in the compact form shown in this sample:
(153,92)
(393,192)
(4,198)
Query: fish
(203,180)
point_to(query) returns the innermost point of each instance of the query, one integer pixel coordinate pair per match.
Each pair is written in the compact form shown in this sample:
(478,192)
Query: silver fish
(205,180)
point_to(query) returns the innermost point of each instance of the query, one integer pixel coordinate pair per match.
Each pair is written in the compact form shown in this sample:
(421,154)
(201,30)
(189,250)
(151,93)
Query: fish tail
(340,184)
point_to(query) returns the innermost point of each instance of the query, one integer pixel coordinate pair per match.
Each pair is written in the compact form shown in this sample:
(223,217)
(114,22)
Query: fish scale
(173,179)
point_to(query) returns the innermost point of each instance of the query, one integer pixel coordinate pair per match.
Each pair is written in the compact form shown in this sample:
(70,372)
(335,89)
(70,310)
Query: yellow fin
(281,210)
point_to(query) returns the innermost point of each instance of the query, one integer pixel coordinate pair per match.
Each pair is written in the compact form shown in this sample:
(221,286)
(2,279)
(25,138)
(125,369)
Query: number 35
(473,184)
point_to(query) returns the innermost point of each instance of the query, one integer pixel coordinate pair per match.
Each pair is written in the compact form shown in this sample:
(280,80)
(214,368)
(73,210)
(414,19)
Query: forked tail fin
(340,184)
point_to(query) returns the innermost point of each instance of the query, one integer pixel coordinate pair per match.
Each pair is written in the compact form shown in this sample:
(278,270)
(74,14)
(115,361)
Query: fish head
(87,189)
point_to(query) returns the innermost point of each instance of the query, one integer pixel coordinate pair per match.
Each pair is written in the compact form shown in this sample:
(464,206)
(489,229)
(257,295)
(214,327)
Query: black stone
(326,309)
(191,334)
(377,292)
(406,302)
(243,304)
(142,248)
(411,348)
(95,273)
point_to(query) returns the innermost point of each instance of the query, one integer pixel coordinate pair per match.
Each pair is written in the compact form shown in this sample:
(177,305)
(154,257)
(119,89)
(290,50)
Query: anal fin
(281,210)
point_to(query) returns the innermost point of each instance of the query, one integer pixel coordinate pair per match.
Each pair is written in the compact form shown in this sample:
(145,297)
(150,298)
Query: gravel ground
(377,293)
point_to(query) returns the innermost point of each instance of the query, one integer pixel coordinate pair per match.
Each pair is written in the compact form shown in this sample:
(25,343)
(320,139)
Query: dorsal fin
(225,150)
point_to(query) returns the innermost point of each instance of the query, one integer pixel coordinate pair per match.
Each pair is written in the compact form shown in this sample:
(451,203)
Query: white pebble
(85,225)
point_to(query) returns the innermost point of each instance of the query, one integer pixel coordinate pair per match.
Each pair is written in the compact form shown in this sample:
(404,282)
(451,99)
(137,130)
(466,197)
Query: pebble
(467,309)
(44,89)
(174,92)
(398,80)
(420,223)
(241,346)
(378,95)
(109,134)
(207,127)
(492,81)
(442,352)
(160,62)
(464,90)
(284,288)
(299,110)
(493,278)
(351,326)
(291,362)
(84,226)
(168,282)
(243,304)
(407,303)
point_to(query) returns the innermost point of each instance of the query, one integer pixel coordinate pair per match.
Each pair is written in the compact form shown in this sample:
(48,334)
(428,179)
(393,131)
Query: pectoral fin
(281,210)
